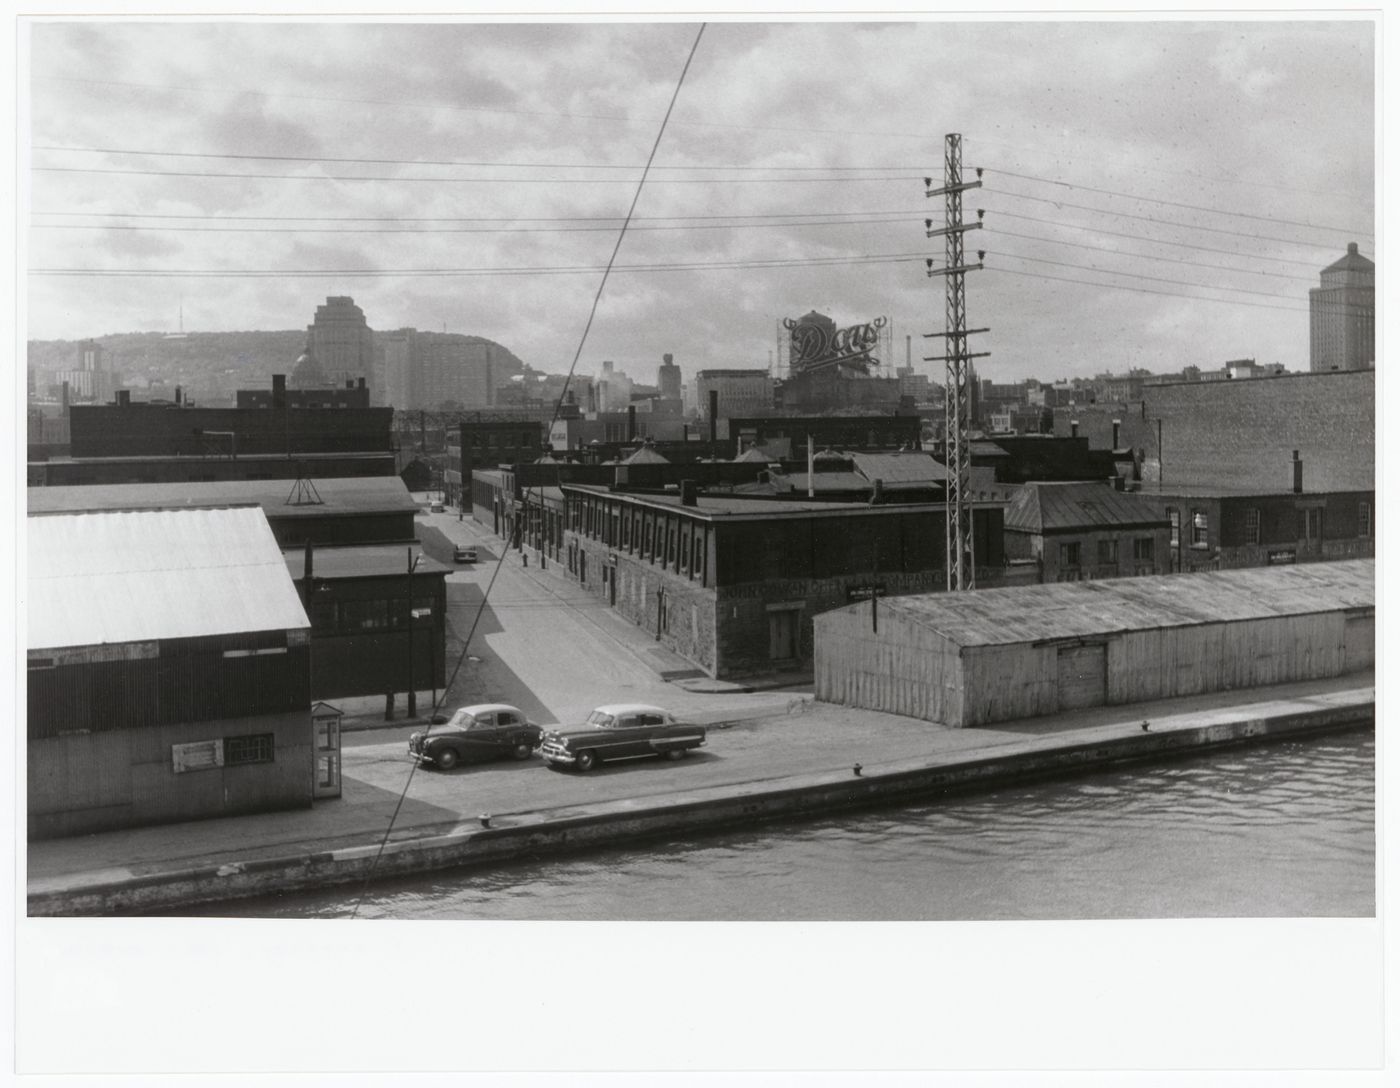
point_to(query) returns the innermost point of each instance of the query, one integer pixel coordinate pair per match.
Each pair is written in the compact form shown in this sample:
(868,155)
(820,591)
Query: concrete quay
(799,762)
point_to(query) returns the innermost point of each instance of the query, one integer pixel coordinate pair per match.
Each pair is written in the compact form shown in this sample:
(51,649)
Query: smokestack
(179,396)
(714,414)
(909,352)
(811,468)
(279,390)
(688,493)
(1117,424)
(631,422)
(124,397)
(1074,428)
(1297,474)
(878,494)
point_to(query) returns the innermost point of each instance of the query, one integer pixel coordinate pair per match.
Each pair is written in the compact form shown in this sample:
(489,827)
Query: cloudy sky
(1156,194)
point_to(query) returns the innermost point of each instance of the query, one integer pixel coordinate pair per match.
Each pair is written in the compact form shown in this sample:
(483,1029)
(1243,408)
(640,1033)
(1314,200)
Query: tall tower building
(1343,315)
(668,378)
(343,345)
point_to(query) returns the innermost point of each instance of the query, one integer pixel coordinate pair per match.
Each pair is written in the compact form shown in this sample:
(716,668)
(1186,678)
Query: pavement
(742,752)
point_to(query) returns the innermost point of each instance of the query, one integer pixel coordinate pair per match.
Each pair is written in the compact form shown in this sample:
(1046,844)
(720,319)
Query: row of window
(1071,555)
(668,542)
(367,616)
(1310,525)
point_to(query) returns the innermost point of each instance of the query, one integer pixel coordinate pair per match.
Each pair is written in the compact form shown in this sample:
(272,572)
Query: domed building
(307,372)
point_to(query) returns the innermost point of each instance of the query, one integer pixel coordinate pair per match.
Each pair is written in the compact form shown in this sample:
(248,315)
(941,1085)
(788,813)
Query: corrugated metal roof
(139,575)
(1051,507)
(997,617)
(345,495)
(363,561)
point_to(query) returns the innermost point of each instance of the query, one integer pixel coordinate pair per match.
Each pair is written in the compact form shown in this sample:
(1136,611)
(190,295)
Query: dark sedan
(475,734)
(621,731)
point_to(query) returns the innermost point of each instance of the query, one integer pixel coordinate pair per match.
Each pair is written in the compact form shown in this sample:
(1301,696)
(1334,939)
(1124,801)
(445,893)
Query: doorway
(782,634)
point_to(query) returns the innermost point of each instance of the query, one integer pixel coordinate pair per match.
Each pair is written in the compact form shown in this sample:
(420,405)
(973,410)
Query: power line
(299,273)
(468,181)
(1141,276)
(1147,290)
(479,219)
(583,339)
(452,162)
(1154,219)
(1146,256)
(1155,241)
(1176,203)
(454,230)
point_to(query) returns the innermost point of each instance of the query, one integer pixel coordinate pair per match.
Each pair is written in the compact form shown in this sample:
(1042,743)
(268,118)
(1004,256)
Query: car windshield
(600,720)
(462,720)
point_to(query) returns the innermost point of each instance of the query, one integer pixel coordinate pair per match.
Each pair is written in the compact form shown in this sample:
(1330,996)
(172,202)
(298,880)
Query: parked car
(464,553)
(620,731)
(477,733)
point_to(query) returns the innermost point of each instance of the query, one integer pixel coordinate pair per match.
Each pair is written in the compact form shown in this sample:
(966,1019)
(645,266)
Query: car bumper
(558,755)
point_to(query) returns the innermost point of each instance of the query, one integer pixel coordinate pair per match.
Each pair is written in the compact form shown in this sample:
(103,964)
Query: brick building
(1084,531)
(740,392)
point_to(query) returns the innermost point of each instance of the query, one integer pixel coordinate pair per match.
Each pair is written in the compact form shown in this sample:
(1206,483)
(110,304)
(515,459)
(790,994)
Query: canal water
(1277,830)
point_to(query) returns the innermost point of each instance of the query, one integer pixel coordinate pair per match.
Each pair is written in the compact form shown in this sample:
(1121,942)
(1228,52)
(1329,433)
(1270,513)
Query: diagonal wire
(578,352)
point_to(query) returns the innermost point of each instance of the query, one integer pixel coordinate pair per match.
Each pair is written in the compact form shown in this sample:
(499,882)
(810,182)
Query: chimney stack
(1074,428)
(688,493)
(279,390)
(631,422)
(714,415)
(1297,474)
(1117,425)
(179,396)
(877,495)
(124,397)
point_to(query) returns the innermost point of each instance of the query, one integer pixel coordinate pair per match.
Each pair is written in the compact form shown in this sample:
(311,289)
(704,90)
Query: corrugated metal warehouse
(168,670)
(1001,654)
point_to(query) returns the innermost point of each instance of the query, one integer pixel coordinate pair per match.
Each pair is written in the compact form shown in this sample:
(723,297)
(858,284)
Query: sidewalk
(781,757)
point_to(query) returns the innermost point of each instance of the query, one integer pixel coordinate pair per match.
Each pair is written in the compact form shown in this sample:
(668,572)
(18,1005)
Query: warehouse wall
(86,782)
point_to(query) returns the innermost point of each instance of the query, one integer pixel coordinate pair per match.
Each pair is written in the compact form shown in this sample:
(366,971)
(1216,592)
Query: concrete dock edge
(515,836)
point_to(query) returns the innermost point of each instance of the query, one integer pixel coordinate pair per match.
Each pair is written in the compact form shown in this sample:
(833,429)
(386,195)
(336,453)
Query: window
(1174,515)
(255,748)
(1363,520)
(1200,529)
(1069,555)
(364,615)
(1251,526)
(1108,551)
(1142,548)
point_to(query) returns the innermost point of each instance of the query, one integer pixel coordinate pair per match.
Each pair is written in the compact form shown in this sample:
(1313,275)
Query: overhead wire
(573,365)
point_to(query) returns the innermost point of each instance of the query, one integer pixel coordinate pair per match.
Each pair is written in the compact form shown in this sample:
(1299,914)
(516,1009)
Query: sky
(1156,194)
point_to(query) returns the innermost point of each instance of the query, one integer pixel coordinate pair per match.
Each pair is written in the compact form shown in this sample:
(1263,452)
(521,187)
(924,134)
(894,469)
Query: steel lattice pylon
(957,411)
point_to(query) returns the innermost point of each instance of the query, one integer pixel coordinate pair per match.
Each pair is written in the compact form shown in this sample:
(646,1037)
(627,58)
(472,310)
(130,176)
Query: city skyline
(826,131)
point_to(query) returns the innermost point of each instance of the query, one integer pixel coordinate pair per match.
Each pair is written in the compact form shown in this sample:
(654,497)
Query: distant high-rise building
(342,344)
(1343,315)
(430,369)
(668,378)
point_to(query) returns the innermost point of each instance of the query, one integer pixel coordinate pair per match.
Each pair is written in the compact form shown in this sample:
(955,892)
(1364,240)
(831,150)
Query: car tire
(446,759)
(675,753)
(522,750)
(586,760)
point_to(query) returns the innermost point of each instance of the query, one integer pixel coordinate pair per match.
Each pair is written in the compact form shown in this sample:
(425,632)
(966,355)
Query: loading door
(1083,676)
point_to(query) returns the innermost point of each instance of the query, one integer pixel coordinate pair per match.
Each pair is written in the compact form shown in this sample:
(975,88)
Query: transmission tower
(957,411)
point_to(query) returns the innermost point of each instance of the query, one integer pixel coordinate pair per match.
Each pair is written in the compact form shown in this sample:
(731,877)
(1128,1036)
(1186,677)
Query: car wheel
(522,750)
(446,759)
(676,753)
(586,760)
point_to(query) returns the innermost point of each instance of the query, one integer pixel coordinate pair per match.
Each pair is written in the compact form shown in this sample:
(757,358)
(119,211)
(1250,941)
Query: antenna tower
(957,397)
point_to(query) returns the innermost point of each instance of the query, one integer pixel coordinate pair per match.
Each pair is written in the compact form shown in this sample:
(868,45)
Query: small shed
(1002,654)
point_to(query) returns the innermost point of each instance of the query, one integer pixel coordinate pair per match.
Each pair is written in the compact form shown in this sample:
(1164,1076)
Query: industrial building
(1078,531)
(967,659)
(169,670)
(349,546)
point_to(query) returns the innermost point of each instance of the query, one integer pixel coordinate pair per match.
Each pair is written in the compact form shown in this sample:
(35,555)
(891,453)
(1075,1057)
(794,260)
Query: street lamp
(412,695)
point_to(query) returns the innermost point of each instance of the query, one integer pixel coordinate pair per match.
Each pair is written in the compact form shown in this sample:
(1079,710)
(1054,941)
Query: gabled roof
(1059,507)
(142,575)
(645,456)
(907,468)
(1069,610)
(757,454)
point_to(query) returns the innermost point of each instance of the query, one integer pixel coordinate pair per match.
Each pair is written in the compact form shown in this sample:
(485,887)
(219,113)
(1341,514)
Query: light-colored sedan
(620,731)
